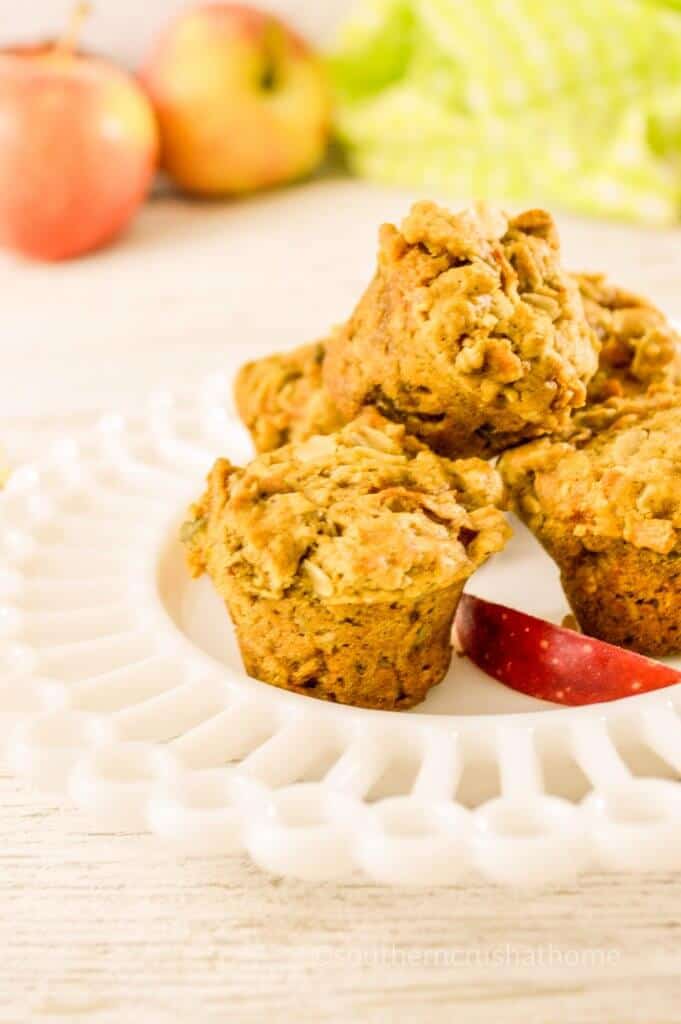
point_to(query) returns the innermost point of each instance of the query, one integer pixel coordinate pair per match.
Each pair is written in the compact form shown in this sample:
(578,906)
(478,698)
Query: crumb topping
(470,333)
(640,349)
(281,398)
(619,478)
(366,514)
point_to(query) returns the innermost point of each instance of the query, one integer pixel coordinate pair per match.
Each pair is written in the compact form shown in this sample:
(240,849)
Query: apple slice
(549,662)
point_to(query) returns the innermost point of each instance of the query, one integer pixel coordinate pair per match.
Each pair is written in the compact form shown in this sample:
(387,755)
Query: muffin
(342,559)
(640,351)
(607,507)
(281,398)
(470,334)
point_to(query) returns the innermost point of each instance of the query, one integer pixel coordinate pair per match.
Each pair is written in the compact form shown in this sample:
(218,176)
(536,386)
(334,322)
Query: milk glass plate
(121,685)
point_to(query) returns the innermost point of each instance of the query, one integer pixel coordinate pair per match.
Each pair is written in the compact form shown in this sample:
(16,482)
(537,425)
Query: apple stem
(68,42)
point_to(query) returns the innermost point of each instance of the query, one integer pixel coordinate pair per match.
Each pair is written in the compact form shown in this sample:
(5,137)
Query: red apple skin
(549,662)
(78,151)
(242,101)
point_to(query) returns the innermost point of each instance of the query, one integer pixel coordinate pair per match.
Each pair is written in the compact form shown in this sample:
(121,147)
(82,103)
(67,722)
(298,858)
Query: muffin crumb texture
(342,559)
(281,398)
(607,507)
(470,334)
(640,350)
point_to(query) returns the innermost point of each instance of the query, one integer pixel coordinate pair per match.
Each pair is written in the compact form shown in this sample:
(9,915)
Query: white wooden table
(114,928)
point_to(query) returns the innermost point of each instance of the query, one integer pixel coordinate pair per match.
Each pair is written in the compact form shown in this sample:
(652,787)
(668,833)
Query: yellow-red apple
(78,150)
(242,101)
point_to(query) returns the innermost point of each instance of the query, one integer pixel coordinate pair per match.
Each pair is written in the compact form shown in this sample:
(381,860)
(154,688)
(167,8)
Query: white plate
(121,683)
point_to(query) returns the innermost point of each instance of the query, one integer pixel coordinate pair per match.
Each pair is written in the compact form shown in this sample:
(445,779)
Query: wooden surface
(114,928)
(103,928)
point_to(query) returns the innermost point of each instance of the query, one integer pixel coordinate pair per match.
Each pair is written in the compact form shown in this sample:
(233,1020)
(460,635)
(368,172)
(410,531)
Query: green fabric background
(577,103)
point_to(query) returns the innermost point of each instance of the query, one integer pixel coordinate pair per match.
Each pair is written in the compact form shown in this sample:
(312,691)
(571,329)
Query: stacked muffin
(606,505)
(639,348)
(471,334)
(282,398)
(342,555)
(605,499)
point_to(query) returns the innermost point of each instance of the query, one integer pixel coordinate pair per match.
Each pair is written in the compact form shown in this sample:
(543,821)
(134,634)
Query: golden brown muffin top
(366,514)
(640,349)
(281,398)
(470,332)
(618,479)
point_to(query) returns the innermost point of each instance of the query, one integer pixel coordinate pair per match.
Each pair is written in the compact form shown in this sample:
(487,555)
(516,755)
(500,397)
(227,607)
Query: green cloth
(576,103)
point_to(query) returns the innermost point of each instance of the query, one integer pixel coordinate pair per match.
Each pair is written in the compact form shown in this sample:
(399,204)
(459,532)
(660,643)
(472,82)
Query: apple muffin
(281,398)
(470,334)
(606,505)
(640,350)
(342,559)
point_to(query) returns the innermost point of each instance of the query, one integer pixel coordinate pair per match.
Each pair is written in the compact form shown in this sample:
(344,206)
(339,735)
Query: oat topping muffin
(640,351)
(470,334)
(342,559)
(281,398)
(607,508)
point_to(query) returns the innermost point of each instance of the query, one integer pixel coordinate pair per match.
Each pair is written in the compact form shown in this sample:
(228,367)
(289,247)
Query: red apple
(242,101)
(78,150)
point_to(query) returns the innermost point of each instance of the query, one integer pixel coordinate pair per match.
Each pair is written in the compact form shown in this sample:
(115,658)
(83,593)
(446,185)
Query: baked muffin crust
(342,559)
(470,334)
(607,507)
(281,398)
(619,479)
(640,350)
(362,515)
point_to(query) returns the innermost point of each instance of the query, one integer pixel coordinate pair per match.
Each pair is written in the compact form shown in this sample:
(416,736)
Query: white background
(126,28)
